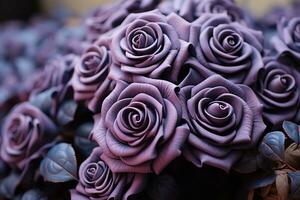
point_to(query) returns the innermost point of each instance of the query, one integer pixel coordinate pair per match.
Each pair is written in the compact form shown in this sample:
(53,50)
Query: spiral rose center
(135,117)
(92,62)
(142,39)
(230,42)
(18,127)
(218,109)
(280,83)
(94,171)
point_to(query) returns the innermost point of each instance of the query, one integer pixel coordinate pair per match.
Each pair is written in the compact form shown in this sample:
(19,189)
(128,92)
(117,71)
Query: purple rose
(278,90)
(26,133)
(105,18)
(219,6)
(224,119)
(183,8)
(190,10)
(191,72)
(57,73)
(228,49)
(90,81)
(146,44)
(139,127)
(288,39)
(51,87)
(97,181)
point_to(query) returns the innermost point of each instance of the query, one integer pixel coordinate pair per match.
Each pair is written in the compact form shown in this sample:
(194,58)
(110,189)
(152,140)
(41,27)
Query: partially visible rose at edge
(27,132)
(97,181)
(288,38)
(278,90)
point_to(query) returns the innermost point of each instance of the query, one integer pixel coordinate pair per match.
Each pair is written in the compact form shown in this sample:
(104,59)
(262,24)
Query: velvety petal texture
(105,18)
(55,74)
(224,119)
(190,10)
(146,44)
(219,6)
(90,81)
(26,134)
(98,182)
(288,39)
(183,8)
(278,90)
(139,126)
(227,48)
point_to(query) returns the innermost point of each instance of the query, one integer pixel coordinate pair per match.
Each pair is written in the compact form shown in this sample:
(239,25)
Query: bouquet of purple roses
(152,100)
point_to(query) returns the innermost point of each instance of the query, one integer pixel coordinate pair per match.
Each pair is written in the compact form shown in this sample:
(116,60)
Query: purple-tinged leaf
(4,169)
(247,164)
(292,131)
(60,164)
(295,184)
(82,141)
(264,163)
(34,195)
(67,112)
(272,146)
(44,100)
(262,182)
(9,184)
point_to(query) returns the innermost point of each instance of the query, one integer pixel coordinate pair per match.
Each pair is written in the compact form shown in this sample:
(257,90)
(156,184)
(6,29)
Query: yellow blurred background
(257,7)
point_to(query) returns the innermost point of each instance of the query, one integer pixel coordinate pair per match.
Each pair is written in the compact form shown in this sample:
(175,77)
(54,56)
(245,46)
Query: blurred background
(23,9)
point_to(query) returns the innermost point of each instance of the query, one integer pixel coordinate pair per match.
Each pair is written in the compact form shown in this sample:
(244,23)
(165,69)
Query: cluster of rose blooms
(155,101)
